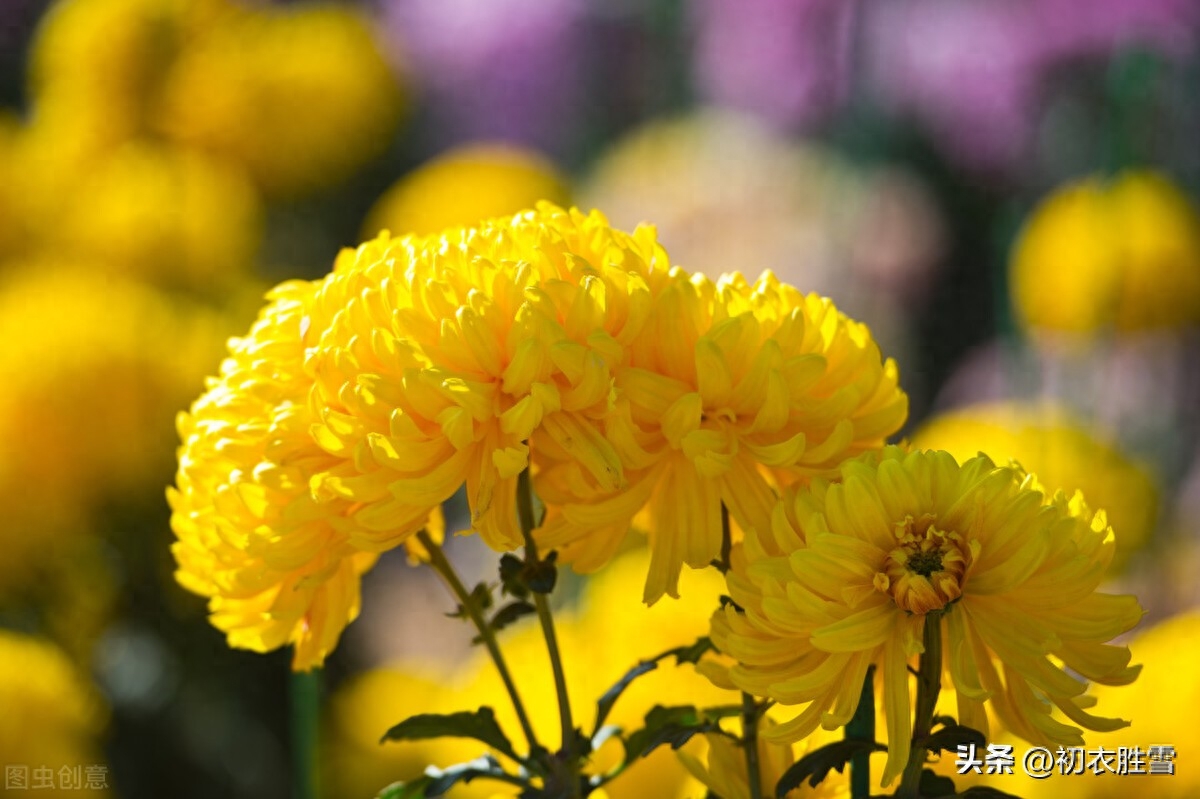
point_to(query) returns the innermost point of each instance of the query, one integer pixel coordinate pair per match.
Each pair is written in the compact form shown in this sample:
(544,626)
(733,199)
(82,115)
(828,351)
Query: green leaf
(727,601)
(480,725)
(951,736)
(480,598)
(506,616)
(442,780)
(984,792)
(519,577)
(667,725)
(817,764)
(405,790)
(934,785)
(683,654)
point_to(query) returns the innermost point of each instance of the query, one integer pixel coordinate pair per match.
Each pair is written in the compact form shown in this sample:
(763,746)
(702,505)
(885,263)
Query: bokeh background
(1005,190)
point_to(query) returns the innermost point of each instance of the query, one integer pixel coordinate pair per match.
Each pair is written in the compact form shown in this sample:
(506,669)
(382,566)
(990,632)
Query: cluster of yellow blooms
(637,396)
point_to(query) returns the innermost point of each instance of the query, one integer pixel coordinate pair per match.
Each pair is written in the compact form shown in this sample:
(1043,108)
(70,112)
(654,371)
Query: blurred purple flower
(497,70)
(786,61)
(967,71)
(1167,26)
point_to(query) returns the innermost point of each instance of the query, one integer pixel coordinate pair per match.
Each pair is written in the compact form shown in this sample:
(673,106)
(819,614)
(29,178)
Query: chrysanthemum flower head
(275,563)
(466,185)
(447,354)
(1121,253)
(731,389)
(1051,442)
(850,572)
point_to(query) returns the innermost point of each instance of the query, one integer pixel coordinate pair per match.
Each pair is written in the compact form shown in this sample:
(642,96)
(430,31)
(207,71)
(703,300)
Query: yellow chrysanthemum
(129,353)
(724,771)
(52,716)
(1123,253)
(464,186)
(300,96)
(609,609)
(1053,444)
(1160,717)
(447,354)
(276,564)
(848,572)
(731,388)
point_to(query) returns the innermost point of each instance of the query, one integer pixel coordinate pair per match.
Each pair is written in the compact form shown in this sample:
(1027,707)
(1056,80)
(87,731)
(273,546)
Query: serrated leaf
(667,725)
(506,616)
(933,784)
(442,780)
(480,725)
(480,598)
(951,736)
(817,764)
(405,790)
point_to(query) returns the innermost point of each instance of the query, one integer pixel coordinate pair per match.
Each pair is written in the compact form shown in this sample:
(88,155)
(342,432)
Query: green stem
(442,566)
(305,710)
(929,684)
(862,728)
(726,540)
(546,619)
(750,745)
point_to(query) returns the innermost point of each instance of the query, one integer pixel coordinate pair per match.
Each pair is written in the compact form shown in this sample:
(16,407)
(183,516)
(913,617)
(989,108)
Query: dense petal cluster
(277,565)
(450,353)
(1064,452)
(731,390)
(546,341)
(850,572)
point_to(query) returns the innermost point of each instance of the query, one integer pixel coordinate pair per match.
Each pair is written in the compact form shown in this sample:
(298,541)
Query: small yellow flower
(848,572)
(445,355)
(52,715)
(1050,442)
(301,96)
(1123,253)
(731,389)
(276,564)
(465,186)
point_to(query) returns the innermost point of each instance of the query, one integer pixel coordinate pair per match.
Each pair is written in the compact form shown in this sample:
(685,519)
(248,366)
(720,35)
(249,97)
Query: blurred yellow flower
(1050,442)
(300,96)
(1121,253)
(730,387)
(277,565)
(465,186)
(849,571)
(723,771)
(52,716)
(166,215)
(609,609)
(97,65)
(446,354)
(75,338)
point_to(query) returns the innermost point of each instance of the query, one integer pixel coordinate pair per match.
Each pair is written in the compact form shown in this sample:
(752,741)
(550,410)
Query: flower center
(926,569)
